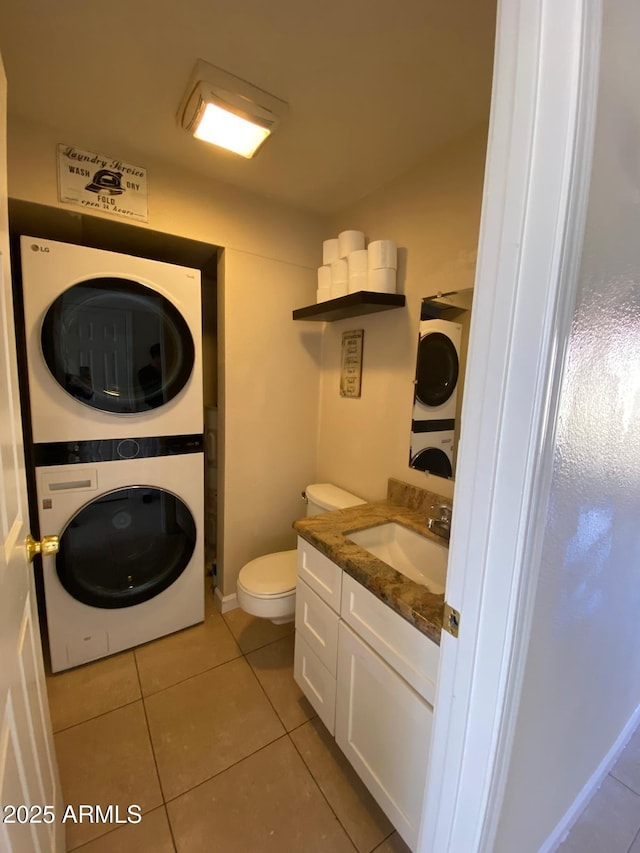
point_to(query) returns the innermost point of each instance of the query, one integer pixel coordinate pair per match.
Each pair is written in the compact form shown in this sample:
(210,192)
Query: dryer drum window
(117,345)
(437,369)
(125,547)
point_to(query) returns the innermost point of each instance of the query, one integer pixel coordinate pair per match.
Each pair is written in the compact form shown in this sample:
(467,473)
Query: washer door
(433,461)
(117,345)
(437,369)
(125,547)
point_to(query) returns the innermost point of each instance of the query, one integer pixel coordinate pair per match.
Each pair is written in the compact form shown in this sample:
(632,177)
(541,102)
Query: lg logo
(36,248)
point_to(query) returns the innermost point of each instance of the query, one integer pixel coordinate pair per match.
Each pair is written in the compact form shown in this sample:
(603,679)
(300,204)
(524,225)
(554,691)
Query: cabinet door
(316,682)
(317,624)
(384,728)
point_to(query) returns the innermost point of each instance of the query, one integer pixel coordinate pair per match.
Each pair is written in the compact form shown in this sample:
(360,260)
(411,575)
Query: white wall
(582,679)
(433,214)
(180,202)
(271,372)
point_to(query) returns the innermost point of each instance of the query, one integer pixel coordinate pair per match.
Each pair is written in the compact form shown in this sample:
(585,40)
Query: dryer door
(125,547)
(437,369)
(117,345)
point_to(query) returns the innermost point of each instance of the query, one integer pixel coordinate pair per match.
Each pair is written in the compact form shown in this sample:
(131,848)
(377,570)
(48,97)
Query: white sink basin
(414,556)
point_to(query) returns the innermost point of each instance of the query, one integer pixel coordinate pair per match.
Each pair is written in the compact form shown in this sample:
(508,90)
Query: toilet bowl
(267,585)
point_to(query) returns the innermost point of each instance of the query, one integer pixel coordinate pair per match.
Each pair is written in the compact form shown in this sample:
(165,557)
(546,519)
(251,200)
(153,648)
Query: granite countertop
(406,505)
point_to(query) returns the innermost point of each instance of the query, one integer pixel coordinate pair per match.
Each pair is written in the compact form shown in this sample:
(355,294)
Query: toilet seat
(271,576)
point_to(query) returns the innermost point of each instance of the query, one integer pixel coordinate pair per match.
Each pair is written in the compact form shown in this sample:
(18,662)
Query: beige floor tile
(610,822)
(252,633)
(267,803)
(186,653)
(151,835)
(107,761)
(393,844)
(627,768)
(273,666)
(79,694)
(357,811)
(206,724)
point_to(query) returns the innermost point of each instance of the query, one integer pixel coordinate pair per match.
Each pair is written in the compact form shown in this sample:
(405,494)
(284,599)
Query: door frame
(533,215)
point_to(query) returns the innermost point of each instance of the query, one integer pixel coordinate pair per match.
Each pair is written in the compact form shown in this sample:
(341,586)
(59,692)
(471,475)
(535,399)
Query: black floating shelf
(351,305)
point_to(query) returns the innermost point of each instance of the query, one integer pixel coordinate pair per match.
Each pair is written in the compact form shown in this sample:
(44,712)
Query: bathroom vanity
(367,653)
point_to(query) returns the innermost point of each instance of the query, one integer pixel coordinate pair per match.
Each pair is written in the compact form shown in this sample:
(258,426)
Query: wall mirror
(440,366)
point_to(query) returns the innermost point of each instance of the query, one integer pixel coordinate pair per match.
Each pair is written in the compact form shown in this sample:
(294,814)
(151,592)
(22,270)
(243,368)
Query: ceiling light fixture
(227,111)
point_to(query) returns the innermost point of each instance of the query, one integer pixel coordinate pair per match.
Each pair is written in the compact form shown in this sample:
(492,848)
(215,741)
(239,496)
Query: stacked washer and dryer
(115,385)
(433,425)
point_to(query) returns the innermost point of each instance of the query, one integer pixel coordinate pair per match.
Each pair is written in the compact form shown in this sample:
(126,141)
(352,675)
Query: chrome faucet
(440,524)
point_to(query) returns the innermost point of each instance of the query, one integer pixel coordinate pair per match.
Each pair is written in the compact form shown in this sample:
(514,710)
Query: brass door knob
(46,546)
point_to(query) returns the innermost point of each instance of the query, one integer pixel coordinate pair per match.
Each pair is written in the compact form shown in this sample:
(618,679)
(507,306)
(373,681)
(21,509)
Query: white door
(534,208)
(28,771)
(100,344)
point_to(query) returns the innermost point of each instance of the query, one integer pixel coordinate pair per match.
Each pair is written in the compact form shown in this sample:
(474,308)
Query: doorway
(70,227)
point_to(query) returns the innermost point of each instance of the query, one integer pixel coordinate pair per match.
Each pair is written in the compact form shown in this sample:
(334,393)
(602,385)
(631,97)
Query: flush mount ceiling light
(227,111)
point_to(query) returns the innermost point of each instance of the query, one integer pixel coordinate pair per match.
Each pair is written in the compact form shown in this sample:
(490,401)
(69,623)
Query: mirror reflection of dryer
(130,564)
(437,370)
(113,343)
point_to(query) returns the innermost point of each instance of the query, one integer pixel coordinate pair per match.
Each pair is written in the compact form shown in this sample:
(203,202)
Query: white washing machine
(114,345)
(130,517)
(432,451)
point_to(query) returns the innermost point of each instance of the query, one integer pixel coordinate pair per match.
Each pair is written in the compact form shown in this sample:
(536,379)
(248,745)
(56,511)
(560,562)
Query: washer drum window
(125,547)
(117,345)
(432,460)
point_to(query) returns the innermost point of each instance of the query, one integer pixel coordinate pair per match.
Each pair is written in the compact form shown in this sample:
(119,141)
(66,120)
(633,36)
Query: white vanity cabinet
(370,676)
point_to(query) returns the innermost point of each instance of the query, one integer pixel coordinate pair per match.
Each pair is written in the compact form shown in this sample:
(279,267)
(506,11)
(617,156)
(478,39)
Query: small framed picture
(351,364)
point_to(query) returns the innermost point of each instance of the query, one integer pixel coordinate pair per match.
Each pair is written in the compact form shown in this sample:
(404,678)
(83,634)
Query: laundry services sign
(98,182)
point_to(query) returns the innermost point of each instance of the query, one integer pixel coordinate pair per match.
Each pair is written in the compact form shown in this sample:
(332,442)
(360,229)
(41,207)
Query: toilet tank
(323,497)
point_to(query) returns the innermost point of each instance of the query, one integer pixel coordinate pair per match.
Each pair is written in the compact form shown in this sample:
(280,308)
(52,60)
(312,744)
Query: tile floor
(208,733)
(611,821)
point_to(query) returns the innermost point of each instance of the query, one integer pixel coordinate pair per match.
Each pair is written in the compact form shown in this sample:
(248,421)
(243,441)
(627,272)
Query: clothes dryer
(130,566)
(437,373)
(113,344)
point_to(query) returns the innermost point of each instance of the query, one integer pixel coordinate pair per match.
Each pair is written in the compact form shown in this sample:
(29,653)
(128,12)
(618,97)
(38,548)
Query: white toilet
(267,585)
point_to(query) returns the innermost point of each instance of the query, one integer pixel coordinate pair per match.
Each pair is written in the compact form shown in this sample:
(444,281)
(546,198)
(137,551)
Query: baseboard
(225,602)
(580,803)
